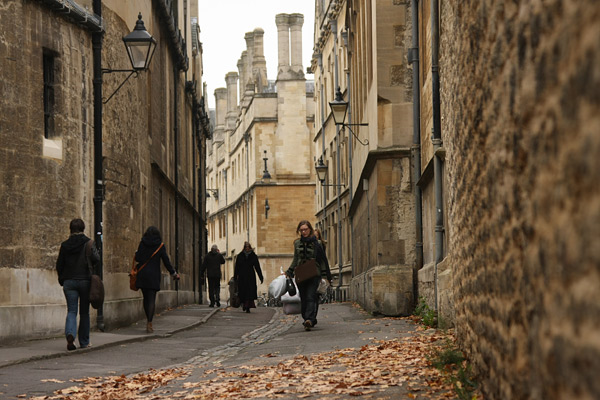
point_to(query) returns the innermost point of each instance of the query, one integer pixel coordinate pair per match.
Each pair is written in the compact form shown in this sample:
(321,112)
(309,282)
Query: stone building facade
(519,121)
(270,129)
(152,148)
(365,208)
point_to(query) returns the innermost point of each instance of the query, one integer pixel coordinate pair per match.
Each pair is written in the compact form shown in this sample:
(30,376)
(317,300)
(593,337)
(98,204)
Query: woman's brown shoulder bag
(306,270)
(134,270)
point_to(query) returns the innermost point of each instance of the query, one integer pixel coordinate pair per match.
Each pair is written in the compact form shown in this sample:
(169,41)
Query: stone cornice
(332,13)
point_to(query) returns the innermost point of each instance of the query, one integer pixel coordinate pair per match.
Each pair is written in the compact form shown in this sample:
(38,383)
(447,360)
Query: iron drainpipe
(98,173)
(226,215)
(176,145)
(414,60)
(195,138)
(247,139)
(437,142)
(337,146)
(203,240)
(323,188)
(349,112)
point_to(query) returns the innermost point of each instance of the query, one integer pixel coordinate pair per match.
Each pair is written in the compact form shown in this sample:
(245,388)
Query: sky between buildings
(223,24)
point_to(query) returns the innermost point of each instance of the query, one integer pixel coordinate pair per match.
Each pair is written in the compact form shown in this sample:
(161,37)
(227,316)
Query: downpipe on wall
(97,37)
(176,161)
(338,186)
(413,59)
(437,143)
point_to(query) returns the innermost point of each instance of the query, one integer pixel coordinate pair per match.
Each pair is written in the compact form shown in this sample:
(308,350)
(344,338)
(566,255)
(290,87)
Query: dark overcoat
(246,269)
(212,265)
(149,276)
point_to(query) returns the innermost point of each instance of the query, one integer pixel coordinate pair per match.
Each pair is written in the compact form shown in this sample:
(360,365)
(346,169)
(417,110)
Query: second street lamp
(266,175)
(321,169)
(339,108)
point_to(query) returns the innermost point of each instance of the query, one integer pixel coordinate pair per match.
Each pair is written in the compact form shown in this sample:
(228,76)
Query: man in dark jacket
(212,265)
(74,276)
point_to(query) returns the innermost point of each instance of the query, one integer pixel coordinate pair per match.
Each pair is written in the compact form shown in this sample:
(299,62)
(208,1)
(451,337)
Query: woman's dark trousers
(309,299)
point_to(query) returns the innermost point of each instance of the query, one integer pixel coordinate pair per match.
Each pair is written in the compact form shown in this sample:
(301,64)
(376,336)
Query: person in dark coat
(148,278)
(212,265)
(246,268)
(74,274)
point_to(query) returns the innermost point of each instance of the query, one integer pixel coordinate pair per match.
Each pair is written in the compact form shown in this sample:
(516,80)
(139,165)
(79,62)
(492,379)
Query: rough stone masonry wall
(39,195)
(521,107)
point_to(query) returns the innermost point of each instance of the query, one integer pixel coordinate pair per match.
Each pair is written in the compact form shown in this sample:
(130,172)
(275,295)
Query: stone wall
(384,241)
(521,110)
(44,183)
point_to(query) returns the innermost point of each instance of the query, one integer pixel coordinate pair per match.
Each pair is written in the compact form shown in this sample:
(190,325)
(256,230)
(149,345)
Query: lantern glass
(140,46)
(339,107)
(321,170)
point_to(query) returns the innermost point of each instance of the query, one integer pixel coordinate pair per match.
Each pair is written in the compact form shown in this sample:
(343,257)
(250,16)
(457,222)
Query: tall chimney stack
(296,21)
(259,64)
(283,43)
(231,79)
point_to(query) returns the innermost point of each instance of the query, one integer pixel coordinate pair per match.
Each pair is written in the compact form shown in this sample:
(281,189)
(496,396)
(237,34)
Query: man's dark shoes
(218,304)
(211,305)
(70,340)
(307,325)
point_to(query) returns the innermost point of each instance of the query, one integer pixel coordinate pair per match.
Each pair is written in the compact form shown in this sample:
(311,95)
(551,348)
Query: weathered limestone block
(385,289)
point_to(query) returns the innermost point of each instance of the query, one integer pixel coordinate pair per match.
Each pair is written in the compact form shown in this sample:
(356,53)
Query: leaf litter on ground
(364,371)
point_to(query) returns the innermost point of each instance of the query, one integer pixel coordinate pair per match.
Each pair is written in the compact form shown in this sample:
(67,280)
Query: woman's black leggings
(149,302)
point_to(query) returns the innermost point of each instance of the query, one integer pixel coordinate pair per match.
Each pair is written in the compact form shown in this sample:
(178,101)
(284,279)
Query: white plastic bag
(286,298)
(292,307)
(277,287)
(322,289)
(291,304)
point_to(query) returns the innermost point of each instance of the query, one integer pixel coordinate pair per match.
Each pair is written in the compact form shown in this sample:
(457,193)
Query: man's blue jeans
(76,289)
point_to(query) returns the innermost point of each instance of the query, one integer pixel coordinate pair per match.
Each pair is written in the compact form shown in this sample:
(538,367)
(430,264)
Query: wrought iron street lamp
(266,178)
(140,46)
(321,169)
(266,175)
(339,108)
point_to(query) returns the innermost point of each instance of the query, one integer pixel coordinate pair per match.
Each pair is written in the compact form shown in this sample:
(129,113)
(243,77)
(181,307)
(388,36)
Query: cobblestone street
(349,353)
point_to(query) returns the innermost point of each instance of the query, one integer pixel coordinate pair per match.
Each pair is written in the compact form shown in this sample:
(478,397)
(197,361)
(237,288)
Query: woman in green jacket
(307,247)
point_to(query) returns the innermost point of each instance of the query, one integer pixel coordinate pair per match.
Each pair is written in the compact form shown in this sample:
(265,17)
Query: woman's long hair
(320,237)
(152,232)
(305,222)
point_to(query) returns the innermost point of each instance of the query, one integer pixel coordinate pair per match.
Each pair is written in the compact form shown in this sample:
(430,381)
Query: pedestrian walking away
(307,247)
(150,251)
(247,267)
(75,256)
(212,266)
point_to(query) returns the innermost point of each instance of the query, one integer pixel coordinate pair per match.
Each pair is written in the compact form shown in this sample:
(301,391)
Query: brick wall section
(521,111)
